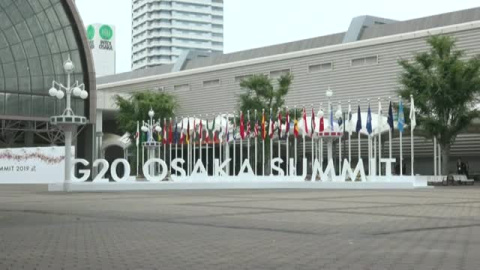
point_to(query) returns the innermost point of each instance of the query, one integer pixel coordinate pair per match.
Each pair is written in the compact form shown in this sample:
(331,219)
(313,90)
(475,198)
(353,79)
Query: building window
(181,87)
(279,73)
(211,83)
(371,60)
(320,67)
(239,79)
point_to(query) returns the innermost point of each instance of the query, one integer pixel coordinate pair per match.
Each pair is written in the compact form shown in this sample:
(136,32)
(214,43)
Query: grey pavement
(240,229)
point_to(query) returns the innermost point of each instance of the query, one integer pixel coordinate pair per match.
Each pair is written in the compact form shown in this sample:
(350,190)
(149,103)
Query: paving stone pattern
(240,229)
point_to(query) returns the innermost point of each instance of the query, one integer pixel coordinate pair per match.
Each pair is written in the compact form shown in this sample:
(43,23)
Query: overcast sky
(256,23)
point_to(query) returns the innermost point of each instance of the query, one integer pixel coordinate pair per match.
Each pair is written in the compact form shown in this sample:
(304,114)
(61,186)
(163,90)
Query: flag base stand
(374,183)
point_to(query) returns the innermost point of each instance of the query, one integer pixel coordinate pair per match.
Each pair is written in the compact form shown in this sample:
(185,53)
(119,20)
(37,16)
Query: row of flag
(259,127)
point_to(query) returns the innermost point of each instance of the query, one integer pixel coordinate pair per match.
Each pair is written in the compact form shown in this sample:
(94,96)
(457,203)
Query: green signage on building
(90,32)
(106,32)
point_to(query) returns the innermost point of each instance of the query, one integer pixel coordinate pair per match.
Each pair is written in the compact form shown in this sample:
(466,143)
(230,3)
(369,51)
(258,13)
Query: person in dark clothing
(459,166)
(404,168)
(464,169)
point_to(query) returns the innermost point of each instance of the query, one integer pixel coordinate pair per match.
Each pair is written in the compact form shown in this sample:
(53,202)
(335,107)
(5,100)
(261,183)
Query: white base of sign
(403,183)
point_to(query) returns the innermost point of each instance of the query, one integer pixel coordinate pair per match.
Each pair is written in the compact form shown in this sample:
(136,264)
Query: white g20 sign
(104,166)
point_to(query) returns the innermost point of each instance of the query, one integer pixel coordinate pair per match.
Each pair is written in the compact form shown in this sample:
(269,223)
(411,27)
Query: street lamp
(68,121)
(149,127)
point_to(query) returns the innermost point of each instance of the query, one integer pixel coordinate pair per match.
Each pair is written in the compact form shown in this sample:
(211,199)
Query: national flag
(287,123)
(340,119)
(143,137)
(248,132)
(264,128)
(413,118)
(401,117)
(350,120)
(187,138)
(272,125)
(176,135)
(137,134)
(234,131)
(257,126)
(321,126)
(164,130)
(227,135)
(200,136)
(279,124)
(194,130)
(331,118)
(182,136)
(295,128)
(242,126)
(170,132)
(305,121)
(369,120)
(359,121)
(380,118)
(390,116)
(313,125)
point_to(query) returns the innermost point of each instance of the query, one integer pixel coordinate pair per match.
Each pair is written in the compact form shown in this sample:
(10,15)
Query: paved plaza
(241,229)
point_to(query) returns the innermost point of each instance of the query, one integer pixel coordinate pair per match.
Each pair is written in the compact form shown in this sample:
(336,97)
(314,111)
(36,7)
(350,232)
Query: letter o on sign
(113,170)
(155,178)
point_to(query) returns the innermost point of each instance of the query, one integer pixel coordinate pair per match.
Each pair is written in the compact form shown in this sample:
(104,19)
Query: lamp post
(149,127)
(68,121)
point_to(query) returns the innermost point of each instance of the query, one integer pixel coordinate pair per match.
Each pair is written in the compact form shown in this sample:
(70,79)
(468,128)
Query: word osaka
(220,171)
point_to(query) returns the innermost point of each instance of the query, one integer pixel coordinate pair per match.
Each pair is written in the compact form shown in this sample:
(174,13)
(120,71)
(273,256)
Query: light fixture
(68,66)
(60,94)
(83,94)
(77,91)
(158,129)
(144,129)
(52,92)
(151,113)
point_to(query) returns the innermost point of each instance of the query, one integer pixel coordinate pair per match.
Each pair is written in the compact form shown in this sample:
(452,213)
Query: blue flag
(401,117)
(369,120)
(390,116)
(359,120)
(176,136)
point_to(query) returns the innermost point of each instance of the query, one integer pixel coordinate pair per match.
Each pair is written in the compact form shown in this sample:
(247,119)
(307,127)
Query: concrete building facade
(358,65)
(163,30)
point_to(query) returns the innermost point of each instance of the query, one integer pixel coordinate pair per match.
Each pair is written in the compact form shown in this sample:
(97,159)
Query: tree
(135,109)
(445,86)
(260,94)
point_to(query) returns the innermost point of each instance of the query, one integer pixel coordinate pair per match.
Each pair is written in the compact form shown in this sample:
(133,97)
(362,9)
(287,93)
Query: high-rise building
(164,30)
(101,38)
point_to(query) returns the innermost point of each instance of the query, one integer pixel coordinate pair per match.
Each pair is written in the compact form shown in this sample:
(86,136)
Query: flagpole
(303,134)
(177,137)
(412,112)
(200,138)
(349,132)
(435,156)
(137,140)
(271,141)
(401,138)
(256,142)
(189,151)
(287,145)
(249,126)
(234,145)
(241,141)
(340,139)
(380,129)
(390,132)
(263,141)
(295,140)
(170,148)
(312,119)
(359,116)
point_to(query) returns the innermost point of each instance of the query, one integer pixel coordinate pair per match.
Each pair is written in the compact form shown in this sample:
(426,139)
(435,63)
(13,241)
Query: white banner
(36,165)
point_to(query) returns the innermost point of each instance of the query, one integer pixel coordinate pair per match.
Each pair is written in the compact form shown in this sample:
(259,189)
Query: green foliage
(136,107)
(444,86)
(260,93)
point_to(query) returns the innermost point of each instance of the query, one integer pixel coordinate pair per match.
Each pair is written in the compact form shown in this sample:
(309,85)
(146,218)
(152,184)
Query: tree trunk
(445,159)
